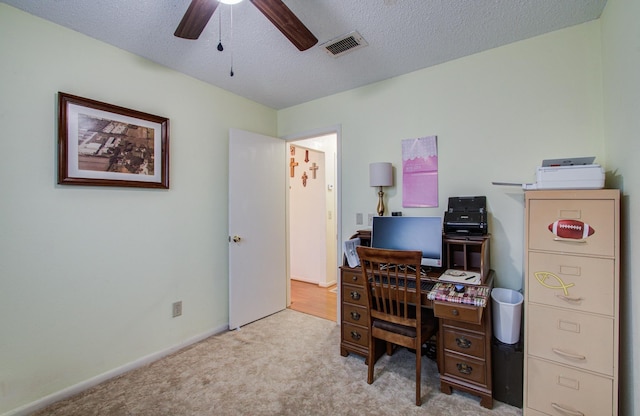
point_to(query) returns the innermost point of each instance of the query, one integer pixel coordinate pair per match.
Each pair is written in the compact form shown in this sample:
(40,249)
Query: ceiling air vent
(343,44)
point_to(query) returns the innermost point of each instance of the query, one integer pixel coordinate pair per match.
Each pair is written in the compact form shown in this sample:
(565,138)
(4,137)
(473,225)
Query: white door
(257,238)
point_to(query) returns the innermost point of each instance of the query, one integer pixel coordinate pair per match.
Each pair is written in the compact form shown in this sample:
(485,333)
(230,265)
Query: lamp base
(380,207)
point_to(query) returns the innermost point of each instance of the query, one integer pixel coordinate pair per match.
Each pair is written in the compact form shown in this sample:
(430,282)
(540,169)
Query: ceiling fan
(200,11)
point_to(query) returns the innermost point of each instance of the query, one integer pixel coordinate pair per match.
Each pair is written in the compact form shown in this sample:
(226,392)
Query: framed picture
(101,144)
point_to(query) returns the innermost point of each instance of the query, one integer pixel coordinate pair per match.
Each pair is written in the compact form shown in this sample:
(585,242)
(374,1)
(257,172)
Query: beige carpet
(286,364)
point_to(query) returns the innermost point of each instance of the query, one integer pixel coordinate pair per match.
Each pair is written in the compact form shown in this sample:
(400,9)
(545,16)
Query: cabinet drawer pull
(571,240)
(455,312)
(355,335)
(568,354)
(465,369)
(567,411)
(354,277)
(463,342)
(570,299)
(355,295)
(355,316)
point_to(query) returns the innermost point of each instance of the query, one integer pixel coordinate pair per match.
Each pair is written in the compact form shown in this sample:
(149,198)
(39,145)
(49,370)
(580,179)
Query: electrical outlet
(177,308)
(370,220)
(359,218)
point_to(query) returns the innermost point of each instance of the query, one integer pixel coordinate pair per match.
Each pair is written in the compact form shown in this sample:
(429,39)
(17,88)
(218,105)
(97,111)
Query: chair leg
(418,372)
(371,359)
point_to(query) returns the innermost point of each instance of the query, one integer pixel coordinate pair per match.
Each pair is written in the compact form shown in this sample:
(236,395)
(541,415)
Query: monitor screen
(410,233)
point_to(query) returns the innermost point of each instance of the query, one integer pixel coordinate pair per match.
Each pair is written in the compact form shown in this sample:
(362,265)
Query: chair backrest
(393,284)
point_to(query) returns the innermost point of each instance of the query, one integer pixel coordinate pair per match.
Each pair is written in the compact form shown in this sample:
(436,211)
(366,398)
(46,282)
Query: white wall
(307,218)
(621,66)
(87,274)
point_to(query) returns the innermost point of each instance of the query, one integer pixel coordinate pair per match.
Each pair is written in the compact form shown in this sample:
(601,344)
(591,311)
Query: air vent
(343,44)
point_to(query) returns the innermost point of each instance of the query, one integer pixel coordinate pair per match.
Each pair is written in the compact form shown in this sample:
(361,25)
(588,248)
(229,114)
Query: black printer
(466,216)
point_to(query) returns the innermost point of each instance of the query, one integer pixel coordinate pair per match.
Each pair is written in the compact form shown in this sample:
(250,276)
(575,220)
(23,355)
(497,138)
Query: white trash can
(507,311)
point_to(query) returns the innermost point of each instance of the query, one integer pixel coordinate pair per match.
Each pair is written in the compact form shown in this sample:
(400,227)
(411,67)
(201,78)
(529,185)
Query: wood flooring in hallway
(314,300)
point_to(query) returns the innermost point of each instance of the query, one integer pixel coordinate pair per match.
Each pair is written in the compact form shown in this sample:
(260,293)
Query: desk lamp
(380,174)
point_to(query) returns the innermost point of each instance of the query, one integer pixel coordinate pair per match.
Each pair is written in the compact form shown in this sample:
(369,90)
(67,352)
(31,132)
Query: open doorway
(313,225)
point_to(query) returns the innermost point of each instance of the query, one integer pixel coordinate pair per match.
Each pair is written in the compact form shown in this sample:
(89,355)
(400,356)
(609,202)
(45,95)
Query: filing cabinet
(572,249)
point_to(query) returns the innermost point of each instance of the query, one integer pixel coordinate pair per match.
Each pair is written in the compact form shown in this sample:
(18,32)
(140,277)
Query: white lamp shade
(380,174)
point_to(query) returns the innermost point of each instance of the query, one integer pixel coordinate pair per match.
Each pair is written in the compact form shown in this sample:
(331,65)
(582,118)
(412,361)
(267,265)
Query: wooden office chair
(393,300)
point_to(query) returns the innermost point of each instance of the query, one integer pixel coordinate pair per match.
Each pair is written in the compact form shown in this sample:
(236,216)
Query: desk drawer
(457,312)
(352,277)
(355,334)
(354,295)
(355,314)
(573,282)
(464,342)
(572,338)
(551,388)
(466,368)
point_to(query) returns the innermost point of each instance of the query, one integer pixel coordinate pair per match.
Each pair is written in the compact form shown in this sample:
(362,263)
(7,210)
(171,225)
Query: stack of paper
(461,276)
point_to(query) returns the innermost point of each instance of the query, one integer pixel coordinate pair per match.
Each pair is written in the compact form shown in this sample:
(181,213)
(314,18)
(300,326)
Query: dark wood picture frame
(100,144)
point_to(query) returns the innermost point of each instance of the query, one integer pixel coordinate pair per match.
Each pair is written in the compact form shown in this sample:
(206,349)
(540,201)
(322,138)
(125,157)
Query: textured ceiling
(403,36)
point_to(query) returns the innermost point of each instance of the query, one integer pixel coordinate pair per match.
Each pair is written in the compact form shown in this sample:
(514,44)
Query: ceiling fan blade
(196,18)
(287,22)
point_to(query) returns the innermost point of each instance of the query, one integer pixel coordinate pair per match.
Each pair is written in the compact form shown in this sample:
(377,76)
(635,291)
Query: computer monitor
(410,233)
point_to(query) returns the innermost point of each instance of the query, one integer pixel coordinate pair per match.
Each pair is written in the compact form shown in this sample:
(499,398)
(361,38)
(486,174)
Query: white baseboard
(321,284)
(32,407)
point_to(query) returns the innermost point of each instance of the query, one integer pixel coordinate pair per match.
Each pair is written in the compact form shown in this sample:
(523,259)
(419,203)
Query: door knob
(236,239)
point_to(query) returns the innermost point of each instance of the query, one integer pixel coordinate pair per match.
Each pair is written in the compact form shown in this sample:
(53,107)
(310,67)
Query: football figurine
(573,229)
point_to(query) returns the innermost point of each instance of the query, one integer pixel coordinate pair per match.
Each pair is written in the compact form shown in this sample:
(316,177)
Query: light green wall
(497,115)
(88,275)
(621,66)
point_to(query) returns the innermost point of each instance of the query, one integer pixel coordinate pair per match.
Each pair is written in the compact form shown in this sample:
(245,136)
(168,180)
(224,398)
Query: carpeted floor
(286,364)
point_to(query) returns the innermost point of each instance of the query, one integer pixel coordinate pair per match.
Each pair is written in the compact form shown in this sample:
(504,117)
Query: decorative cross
(304,179)
(292,166)
(306,156)
(314,168)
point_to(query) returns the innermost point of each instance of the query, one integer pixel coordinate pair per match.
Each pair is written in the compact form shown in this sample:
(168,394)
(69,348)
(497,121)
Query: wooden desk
(464,340)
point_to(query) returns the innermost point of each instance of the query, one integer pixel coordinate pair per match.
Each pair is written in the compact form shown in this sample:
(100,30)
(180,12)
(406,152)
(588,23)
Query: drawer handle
(355,295)
(354,277)
(455,312)
(567,411)
(570,240)
(570,299)
(463,342)
(355,335)
(568,354)
(355,316)
(465,369)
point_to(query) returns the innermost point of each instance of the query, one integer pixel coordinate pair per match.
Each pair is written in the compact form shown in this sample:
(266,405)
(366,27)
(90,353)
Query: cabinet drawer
(354,294)
(464,342)
(594,212)
(467,368)
(355,314)
(355,334)
(352,277)
(571,338)
(551,388)
(573,282)
(457,312)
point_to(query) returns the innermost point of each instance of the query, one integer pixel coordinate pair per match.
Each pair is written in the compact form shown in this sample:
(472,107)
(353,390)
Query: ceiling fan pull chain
(220,48)
(231,40)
